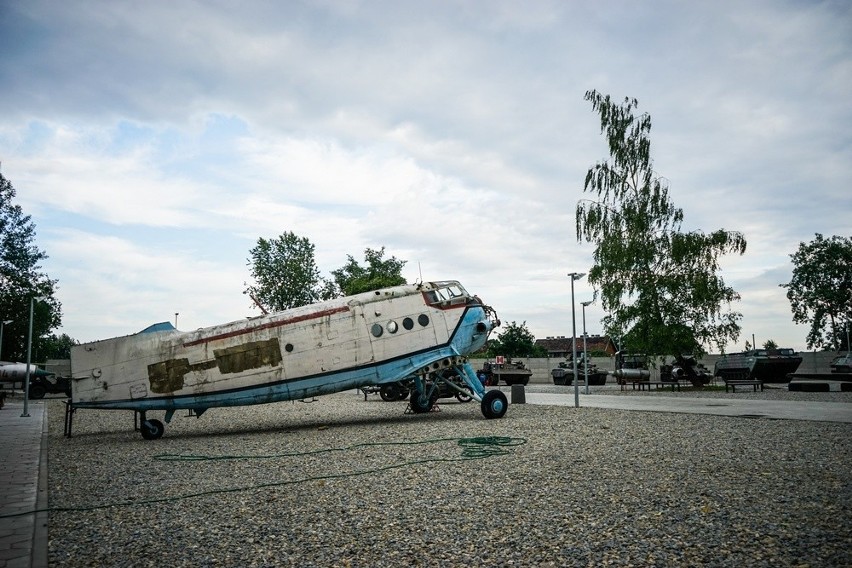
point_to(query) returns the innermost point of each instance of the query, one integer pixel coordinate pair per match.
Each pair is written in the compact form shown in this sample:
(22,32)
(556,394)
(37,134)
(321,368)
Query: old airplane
(422,331)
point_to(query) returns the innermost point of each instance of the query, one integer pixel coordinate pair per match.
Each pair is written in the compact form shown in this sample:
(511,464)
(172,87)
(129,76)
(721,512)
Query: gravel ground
(344,482)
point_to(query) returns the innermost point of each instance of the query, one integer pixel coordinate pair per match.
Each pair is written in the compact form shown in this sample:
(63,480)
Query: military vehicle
(564,373)
(49,384)
(767,365)
(842,364)
(685,367)
(631,367)
(511,373)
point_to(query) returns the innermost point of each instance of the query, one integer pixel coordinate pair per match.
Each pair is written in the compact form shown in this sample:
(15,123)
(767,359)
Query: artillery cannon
(685,367)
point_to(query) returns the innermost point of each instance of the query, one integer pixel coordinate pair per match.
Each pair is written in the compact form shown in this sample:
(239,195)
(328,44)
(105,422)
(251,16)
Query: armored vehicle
(511,373)
(564,373)
(842,364)
(767,365)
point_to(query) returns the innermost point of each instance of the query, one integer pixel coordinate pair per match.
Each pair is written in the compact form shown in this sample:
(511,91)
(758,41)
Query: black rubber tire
(494,404)
(37,391)
(152,429)
(462,397)
(420,404)
(390,392)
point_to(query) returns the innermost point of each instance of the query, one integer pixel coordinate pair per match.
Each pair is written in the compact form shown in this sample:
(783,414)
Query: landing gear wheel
(420,404)
(152,429)
(494,404)
(37,391)
(390,393)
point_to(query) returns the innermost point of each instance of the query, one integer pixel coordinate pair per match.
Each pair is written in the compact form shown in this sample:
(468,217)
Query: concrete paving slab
(23,484)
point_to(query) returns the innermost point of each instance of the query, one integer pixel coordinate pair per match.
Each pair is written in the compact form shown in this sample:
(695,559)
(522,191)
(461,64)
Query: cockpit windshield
(446,293)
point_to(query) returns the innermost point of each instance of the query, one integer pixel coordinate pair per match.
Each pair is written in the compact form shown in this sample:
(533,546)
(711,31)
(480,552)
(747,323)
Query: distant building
(559,347)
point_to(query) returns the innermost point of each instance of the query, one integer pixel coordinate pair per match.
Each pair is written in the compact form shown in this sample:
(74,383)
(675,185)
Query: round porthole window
(423,320)
(392,326)
(376,330)
(408,323)
(288,348)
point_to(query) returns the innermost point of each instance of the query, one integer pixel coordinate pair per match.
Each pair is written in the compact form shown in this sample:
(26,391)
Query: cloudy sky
(153,143)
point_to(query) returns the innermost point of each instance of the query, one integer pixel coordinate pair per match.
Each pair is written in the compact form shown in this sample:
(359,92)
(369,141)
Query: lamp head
(576,275)
(587,303)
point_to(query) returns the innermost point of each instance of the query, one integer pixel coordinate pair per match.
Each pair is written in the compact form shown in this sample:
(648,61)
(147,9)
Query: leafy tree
(515,341)
(820,291)
(21,279)
(353,278)
(770,344)
(57,347)
(658,284)
(285,273)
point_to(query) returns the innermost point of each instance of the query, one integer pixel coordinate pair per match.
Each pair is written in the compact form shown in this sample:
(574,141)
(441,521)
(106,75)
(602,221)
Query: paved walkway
(23,484)
(750,408)
(23,453)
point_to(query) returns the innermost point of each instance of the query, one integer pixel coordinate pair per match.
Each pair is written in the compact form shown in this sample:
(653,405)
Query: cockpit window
(451,293)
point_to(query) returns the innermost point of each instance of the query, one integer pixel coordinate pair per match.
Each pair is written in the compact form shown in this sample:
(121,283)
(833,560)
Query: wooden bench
(734,383)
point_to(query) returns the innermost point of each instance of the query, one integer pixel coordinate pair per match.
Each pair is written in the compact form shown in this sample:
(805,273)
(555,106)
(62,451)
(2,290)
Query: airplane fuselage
(367,339)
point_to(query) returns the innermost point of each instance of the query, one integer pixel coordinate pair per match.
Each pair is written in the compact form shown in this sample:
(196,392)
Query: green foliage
(353,278)
(285,273)
(21,279)
(515,341)
(770,344)
(820,291)
(659,285)
(56,347)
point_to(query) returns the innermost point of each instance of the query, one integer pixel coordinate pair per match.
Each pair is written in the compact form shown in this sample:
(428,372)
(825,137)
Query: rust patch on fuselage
(248,356)
(168,376)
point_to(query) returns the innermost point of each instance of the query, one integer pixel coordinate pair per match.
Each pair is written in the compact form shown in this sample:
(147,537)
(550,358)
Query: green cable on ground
(472,449)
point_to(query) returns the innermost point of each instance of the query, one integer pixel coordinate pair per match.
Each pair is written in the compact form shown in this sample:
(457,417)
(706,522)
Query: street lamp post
(26,412)
(574,276)
(585,355)
(2,325)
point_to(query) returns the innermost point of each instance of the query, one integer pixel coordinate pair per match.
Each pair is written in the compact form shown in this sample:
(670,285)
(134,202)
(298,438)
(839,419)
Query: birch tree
(660,286)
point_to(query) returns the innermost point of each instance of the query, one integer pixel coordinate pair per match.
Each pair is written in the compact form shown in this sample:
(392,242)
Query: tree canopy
(22,279)
(820,291)
(352,278)
(515,341)
(658,285)
(286,275)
